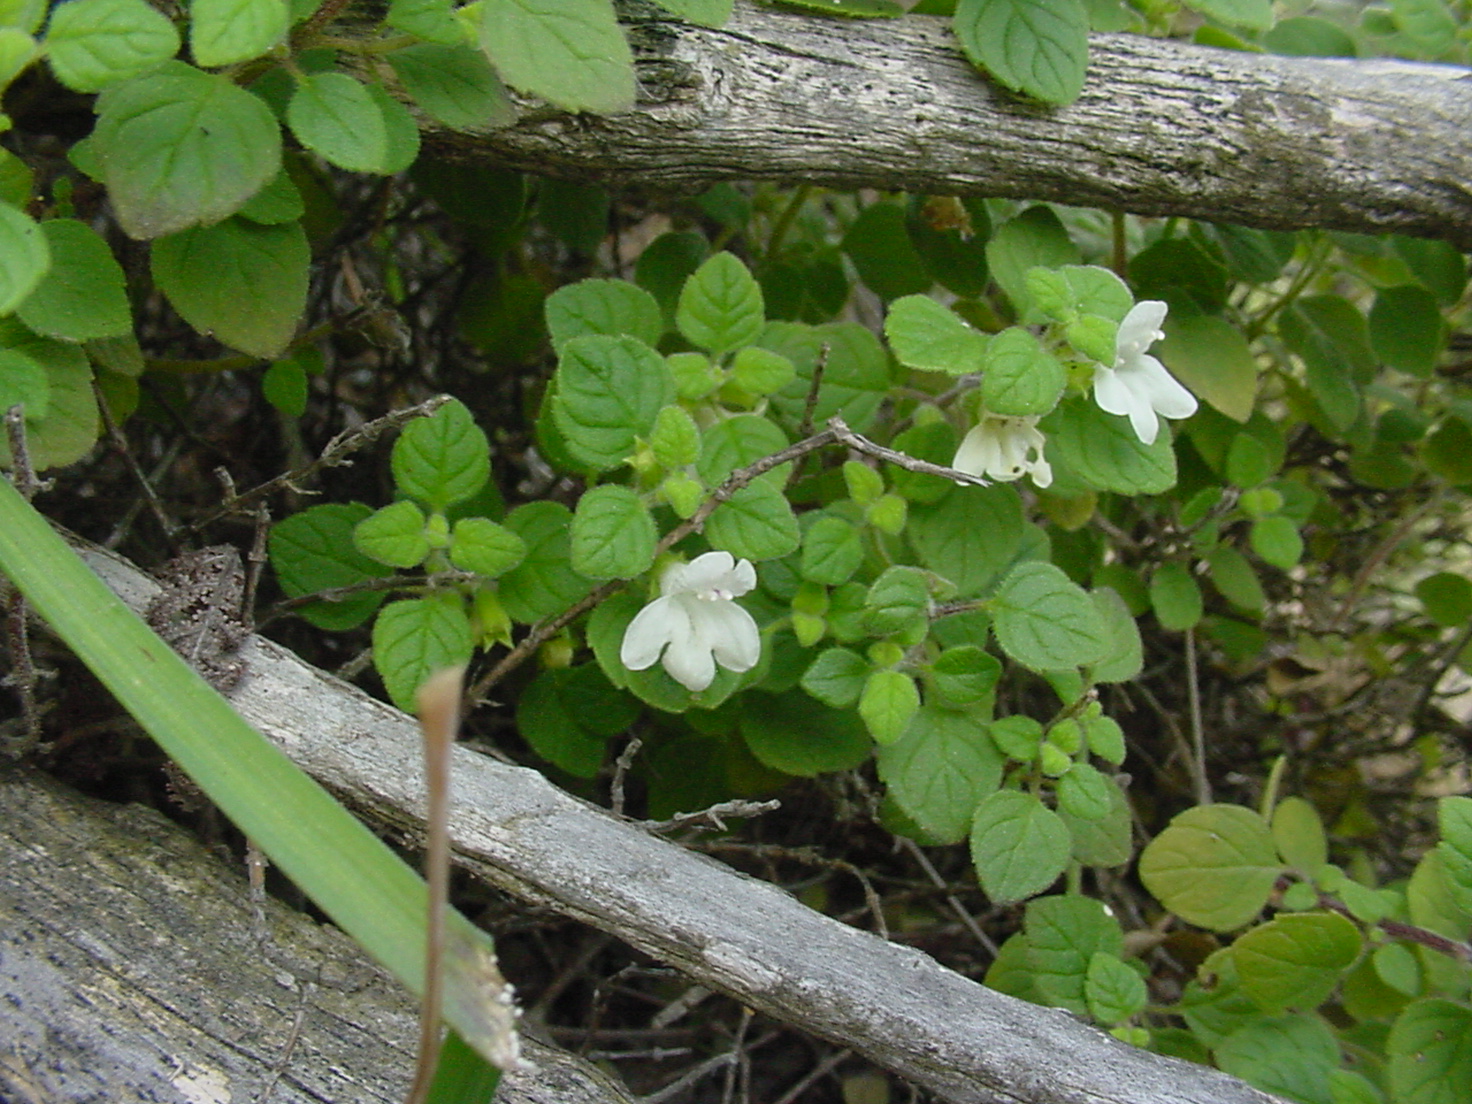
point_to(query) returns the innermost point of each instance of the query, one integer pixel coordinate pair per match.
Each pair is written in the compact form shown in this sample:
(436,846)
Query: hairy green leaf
(1037,47)
(571,53)
(442,459)
(939,771)
(415,637)
(95,43)
(1214,866)
(222,32)
(612,534)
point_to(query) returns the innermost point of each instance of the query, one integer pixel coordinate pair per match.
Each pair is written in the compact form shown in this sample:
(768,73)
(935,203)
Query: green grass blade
(367,890)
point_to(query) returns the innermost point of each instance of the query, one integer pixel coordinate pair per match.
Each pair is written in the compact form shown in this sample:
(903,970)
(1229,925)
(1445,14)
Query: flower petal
(1167,395)
(1139,330)
(712,574)
(976,452)
(650,630)
(1111,392)
(732,635)
(691,666)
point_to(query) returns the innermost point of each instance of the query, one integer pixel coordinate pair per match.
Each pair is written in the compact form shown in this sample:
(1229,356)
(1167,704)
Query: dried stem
(334,455)
(837,432)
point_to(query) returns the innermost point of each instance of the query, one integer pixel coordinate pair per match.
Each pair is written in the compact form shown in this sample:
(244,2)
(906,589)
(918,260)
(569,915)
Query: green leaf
(17,51)
(609,307)
(1447,598)
(402,131)
(1276,541)
(454,84)
(1332,338)
(1084,793)
(571,53)
(22,380)
(1037,47)
(1021,377)
(856,379)
(442,459)
(415,637)
(1211,357)
(969,537)
(431,20)
(1406,329)
(897,598)
(756,523)
(334,115)
(665,265)
(393,535)
(760,371)
(940,770)
(480,545)
(1064,933)
(94,43)
(313,551)
(889,701)
(279,201)
(1255,15)
(333,857)
(1104,451)
(933,338)
(613,534)
(852,9)
(548,714)
(738,441)
(879,245)
(1045,621)
(1032,239)
(1125,656)
(1233,576)
(544,583)
(831,551)
(965,675)
(1296,960)
(1213,866)
(721,306)
(609,391)
(242,282)
(24,257)
(284,385)
(836,677)
(1438,265)
(1427,23)
(1108,841)
(1454,814)
(181,148)
(675,441)
(72,423)
(1018,844)
(1299,835)
(794,734)
(83,295)
(1430,1050)
(708,13)
(1114,991)
(1291,1056)
(1175,596)
(222,32)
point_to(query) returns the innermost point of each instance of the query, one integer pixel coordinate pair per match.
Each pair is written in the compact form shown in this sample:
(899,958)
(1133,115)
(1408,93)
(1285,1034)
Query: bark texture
(129,972)
(743,937)
(1162,127)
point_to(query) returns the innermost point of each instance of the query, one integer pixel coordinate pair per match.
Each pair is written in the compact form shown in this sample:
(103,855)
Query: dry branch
(1162,127)
(728,932)
(129,972)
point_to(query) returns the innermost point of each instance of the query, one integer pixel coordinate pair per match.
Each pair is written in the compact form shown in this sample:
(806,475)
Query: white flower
(1138,385)
(1006,449)
(695,623)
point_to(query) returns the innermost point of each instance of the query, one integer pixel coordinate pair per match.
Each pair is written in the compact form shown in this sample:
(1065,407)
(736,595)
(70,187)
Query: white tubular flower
(1004,449)
(1138,385)
(695,623)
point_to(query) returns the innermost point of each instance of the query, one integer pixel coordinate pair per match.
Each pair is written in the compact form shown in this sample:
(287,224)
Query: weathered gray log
(897,1006)
(129,972)
(1162,127)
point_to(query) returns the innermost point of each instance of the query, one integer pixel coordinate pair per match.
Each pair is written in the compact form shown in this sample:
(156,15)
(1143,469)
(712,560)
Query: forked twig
(837,433)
